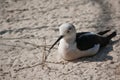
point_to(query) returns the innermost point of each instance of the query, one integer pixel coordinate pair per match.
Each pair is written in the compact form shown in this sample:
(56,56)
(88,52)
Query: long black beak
(56,42)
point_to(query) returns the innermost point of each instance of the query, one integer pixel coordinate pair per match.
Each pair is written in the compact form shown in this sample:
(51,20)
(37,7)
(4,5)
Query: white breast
(70,51)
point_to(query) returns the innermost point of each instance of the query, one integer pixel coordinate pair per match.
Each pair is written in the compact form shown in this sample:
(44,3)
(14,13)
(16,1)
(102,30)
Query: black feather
(85,42)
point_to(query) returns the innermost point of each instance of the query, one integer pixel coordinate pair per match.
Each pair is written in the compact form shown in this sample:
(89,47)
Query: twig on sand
(44,52)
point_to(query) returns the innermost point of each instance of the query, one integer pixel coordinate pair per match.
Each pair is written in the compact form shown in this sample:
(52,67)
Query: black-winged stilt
(75,45)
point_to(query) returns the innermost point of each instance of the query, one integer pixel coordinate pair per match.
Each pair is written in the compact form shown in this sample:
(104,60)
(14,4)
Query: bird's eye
(68,31)
(70,28)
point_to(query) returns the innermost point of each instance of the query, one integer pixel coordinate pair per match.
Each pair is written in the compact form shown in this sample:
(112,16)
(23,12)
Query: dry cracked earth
(29,27)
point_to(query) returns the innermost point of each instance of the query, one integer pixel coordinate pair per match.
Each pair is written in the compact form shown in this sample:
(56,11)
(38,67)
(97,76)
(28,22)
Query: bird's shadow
(101,56)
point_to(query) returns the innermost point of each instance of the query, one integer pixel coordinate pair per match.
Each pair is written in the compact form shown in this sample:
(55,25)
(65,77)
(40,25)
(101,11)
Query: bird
(73,45)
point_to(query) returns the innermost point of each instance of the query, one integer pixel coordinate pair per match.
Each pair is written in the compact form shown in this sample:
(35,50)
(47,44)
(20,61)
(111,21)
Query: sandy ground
(29,27)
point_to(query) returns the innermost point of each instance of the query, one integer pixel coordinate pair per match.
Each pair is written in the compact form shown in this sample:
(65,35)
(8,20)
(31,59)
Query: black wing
(80,34)
(85,42)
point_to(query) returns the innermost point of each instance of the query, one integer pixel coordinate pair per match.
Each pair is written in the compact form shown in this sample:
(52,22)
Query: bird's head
(67,31)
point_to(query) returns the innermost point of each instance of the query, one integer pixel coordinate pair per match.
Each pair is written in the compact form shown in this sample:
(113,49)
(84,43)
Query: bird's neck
(70,40)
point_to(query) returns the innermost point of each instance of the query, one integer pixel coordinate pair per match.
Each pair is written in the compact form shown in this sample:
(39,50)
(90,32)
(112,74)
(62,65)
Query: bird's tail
(107,39)
(113,34)
(103,32)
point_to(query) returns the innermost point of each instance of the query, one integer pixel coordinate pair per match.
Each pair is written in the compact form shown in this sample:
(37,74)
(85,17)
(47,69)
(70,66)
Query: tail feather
(109,37)
(103,32)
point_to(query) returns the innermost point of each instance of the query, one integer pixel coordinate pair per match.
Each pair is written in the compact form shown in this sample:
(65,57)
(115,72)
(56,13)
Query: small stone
(1,69)
(112,62)
(8,20)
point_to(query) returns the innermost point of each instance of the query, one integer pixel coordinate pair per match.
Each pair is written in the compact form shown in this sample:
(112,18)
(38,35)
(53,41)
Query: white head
(67,31)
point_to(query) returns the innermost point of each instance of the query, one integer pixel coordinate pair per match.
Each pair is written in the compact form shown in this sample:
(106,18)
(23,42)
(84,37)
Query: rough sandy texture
(29,27)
